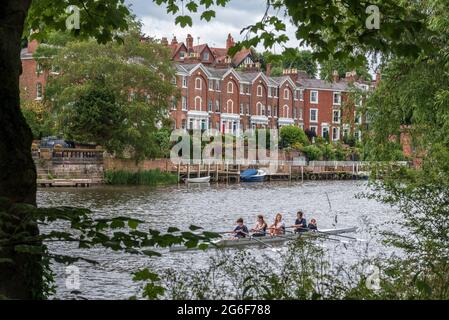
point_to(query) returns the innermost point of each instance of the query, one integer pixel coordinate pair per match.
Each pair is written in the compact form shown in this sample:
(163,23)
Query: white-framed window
(301,95)
(210,105)
(39,68)
(242,107)
(357,118)
(184,103)
(358,135)
(230,106)
(198,103)
(174,103)
(294,113)
(217,85)
(39,91)
(182,55)
(337,98)
(313,115)
(325,132)
(198,84)
(335,133)
(297,93)
(286,94)
(174,80)
(242,86)
(259,108)
(217,105)
(230,87)
(259,91)
(286,110)
(269,111)
(184,82)
(336,116)
(346,131)
(314,96)
(206,56)
(314,129)
(300,114)
(211,85)
(270,92)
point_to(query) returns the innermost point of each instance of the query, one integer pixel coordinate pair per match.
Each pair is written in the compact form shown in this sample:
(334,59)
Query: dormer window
(206,56)
(182,55)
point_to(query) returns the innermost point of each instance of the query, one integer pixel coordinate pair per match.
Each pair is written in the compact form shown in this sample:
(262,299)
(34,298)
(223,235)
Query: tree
(329,66)
(39,117)
(302,60)
(97,117)
(133,82)
(292,135)
(331,28)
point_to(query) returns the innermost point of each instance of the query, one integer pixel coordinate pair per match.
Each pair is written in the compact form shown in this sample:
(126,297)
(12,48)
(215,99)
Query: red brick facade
(232,94)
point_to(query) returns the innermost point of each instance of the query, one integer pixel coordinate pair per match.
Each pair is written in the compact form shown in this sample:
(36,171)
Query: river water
(215,208)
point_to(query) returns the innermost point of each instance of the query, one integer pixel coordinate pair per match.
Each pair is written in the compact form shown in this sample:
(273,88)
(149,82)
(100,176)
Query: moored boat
(253,175)
(268,240)
(198,180)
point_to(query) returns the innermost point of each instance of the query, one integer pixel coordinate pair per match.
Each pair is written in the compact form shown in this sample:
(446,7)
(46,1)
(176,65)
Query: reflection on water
(214,207)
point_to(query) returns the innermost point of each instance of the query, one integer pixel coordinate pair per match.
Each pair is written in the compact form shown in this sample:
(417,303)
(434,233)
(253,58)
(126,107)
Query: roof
(240,56)
(322,84)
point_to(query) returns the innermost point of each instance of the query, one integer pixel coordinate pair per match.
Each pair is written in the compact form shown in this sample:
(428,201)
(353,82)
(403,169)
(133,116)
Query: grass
(139,178)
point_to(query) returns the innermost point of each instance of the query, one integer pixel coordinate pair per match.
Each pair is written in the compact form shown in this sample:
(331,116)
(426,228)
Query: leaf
(194,228)
(183,21)
(208,15)
(151,253)
(133,224)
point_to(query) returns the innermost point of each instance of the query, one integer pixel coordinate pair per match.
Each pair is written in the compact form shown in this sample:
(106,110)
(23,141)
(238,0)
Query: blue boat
(253,175)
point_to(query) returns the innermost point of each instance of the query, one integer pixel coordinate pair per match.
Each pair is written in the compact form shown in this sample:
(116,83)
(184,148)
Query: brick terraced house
(229,94)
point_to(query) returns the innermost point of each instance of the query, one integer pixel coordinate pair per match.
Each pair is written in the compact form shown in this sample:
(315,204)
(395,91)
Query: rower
(260,229)
(278,227)
(240,231)
(312,225)
(300,223)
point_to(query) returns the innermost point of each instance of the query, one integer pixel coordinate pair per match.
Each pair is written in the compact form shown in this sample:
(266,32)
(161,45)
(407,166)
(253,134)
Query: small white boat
(198,180)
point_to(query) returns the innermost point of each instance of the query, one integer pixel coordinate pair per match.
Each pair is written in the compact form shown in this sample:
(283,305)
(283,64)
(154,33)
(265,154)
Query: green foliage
(292,135)
(116,233)
(39,118)
(113,94)
(147,178)
(312,152)
(97,117)
(329,66)
(291,58)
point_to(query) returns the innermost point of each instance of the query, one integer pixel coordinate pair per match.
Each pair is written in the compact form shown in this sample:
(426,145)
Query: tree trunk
(23,279)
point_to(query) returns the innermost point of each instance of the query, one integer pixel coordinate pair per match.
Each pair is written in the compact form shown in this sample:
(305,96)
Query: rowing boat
(243,242)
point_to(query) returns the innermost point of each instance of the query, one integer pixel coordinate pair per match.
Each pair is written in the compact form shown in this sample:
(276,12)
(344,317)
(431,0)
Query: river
(215,208)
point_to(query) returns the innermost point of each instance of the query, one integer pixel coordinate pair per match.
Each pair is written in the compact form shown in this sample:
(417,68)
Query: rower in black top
(300,223)
(240,231)
(312,225)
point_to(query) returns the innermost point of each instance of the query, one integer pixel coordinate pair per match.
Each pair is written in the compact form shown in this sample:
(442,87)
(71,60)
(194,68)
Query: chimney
(164,41)
(378,78)
(268,72)
(230,42)
(351,76)
(189,42)
(335,76)
(32,46)
(292,73)
(174,41)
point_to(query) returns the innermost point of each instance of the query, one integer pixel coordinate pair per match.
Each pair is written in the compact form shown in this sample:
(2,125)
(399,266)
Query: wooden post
(179,172)
(238,176)
(290,172)
(188,171)
(227,172)
(199,170)
(216,172)
(302,173)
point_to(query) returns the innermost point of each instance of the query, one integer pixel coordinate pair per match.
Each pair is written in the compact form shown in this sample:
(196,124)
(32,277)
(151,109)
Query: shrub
(150,177)
(312,153)
(291,135)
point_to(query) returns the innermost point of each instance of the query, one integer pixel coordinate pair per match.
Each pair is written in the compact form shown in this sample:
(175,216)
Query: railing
(69,156)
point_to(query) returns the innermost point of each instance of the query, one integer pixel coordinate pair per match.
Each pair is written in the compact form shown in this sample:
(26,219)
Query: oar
(327,237)
(328,234)
(260,241)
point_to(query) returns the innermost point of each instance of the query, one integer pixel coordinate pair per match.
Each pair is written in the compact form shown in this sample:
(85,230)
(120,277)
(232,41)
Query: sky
(231,19)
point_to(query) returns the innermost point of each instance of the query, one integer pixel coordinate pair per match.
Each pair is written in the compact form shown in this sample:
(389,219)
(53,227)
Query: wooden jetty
(83,183)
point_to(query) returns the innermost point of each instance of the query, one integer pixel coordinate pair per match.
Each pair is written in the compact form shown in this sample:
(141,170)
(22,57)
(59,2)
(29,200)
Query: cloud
(231,19)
